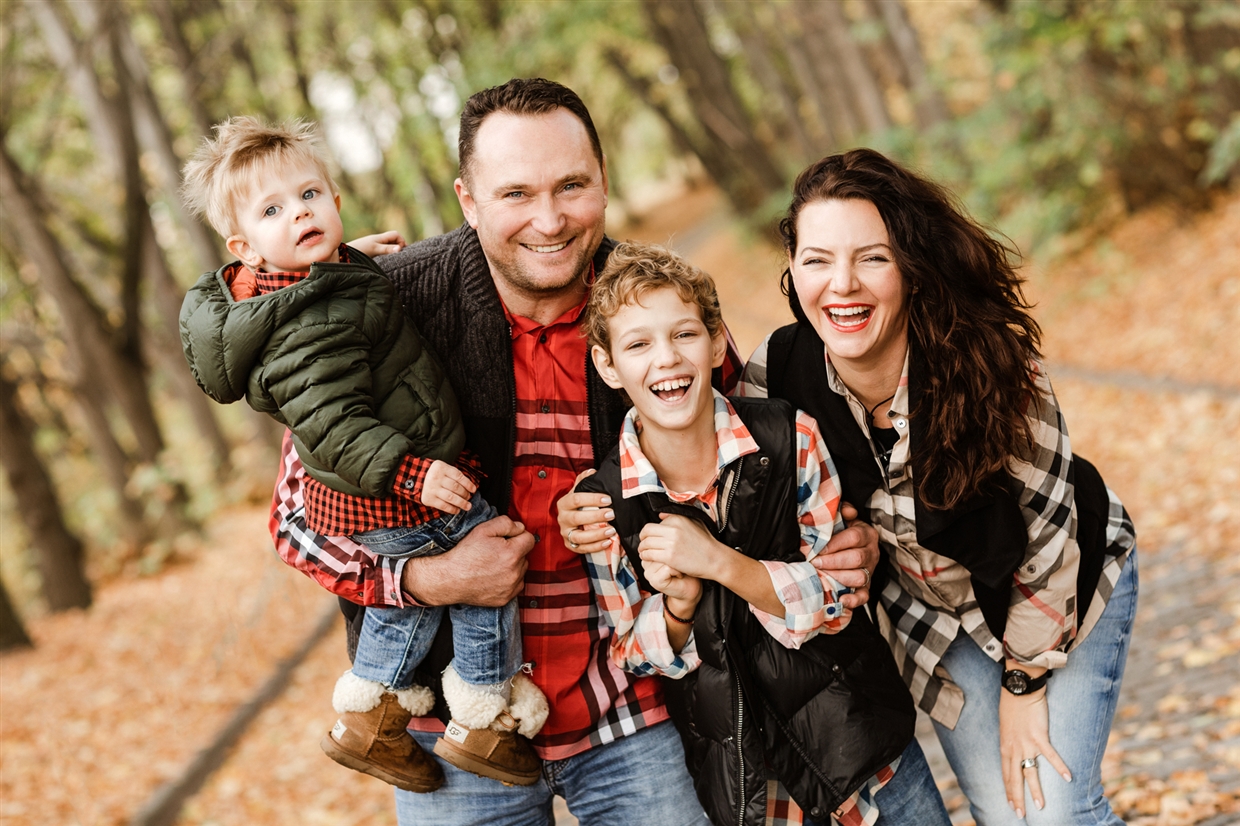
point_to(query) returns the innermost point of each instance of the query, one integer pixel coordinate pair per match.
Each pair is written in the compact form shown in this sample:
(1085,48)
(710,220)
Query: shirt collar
(270,281)
(520,325)
(637,475)
(899,403)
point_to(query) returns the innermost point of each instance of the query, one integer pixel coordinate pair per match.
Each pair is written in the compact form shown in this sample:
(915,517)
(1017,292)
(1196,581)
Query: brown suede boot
(370,735)
(497,752)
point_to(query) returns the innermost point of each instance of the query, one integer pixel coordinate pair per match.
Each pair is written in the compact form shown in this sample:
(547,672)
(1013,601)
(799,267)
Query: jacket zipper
(740,750)
(730,494)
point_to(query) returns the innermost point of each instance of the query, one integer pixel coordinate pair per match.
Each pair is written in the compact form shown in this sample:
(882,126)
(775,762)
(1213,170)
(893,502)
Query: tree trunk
(753,36)
(751,173)
(902,40)
(12,632)
(170,25)
(819,77)
(861,84)
(86,330)
(58,552)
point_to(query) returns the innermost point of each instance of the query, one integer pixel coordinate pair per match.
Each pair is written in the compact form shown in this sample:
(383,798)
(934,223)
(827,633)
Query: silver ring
(1029,762)
(867,573)
(572,545)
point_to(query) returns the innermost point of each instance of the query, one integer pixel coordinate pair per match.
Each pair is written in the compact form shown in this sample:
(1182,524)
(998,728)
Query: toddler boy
(311,332)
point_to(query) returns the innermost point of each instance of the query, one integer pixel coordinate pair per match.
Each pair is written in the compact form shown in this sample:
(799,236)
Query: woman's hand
(851,557)
(382,243)
(583,519)
(1023,727)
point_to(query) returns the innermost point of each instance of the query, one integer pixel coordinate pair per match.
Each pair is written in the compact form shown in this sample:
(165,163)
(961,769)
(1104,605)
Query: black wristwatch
(1018,682)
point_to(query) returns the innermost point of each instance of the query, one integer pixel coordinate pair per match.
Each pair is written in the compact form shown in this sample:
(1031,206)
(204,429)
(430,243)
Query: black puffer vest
(822,719)
(985,534)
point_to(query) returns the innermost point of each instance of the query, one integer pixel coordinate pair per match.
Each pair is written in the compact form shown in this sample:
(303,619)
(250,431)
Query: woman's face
(848,283)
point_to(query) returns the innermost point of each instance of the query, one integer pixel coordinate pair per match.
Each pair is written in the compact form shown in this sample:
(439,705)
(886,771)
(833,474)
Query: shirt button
(542,474)
(409,485)
(542,339)
(546,408)
(1031,568)
(900,423)
(537,538)
(533,603)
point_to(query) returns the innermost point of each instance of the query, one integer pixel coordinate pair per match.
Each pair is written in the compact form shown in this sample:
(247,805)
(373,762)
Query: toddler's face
(288,221)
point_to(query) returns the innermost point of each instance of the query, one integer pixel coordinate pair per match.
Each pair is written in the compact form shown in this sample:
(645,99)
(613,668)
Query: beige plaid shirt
(929,598)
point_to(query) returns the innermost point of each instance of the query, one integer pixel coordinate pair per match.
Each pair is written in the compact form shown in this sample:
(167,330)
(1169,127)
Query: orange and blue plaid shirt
(593,701)
(811,599)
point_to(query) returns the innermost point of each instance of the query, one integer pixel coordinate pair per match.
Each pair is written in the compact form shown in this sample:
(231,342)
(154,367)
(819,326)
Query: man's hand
(446,488)
(486,568)
(382,243)
(851,557)
(583,519)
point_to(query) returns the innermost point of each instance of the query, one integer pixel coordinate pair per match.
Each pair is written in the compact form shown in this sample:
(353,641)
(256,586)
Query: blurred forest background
(1053,120)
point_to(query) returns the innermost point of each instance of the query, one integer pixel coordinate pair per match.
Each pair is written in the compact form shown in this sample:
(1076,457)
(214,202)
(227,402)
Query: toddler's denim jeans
(393,641)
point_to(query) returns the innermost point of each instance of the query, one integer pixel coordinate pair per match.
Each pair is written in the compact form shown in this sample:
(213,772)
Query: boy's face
(662,356)
(287,221)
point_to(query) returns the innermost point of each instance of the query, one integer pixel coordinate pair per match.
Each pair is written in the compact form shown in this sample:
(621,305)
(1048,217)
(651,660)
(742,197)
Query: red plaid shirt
(592,701)
(329,511)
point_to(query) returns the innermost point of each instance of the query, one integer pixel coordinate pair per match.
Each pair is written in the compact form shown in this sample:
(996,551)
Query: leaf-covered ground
(115,702)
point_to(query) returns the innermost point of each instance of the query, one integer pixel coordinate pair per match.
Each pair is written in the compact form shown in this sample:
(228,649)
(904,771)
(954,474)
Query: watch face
(1016,682)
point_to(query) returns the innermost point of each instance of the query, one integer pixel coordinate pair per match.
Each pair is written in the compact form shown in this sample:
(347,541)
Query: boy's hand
(682,543)
(851,557)
(673,584)
(382,243)
(583,519)
(446,488)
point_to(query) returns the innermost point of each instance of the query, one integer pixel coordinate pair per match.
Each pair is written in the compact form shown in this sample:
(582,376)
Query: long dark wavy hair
(967,314)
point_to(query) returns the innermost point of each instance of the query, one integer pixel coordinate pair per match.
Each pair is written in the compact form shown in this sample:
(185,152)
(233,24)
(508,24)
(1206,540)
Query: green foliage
(1102,103)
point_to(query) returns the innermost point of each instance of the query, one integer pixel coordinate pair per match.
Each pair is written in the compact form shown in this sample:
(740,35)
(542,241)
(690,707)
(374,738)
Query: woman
(1007,587)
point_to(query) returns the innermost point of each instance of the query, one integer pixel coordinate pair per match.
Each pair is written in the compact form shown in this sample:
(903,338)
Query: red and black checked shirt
(330,511)
(592,701)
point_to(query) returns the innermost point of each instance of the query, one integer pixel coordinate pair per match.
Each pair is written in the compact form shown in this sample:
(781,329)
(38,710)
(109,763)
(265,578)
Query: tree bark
(903,41)
(753,37)
(751,175)
(861,84)
(12,632)
(820,79)
(58,553)
(85,327)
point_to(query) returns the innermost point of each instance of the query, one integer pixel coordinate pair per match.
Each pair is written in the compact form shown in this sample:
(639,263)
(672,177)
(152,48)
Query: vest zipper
(740,750)
(725,506)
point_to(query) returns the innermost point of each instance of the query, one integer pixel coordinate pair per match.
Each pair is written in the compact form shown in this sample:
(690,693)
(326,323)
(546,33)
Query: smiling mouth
(849,316)
(312,235)
(671,390)
(546,248)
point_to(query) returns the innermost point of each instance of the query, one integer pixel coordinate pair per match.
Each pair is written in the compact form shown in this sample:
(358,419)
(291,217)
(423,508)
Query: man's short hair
(242,150)
(520,96)
(634,269)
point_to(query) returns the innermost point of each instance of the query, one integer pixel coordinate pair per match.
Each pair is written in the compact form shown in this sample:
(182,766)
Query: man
(498,300)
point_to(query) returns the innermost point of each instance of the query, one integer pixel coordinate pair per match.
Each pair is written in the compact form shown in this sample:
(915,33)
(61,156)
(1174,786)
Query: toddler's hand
(382,243)
(446,488)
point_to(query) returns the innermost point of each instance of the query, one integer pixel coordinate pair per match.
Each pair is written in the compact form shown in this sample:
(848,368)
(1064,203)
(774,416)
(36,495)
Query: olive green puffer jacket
(332,358)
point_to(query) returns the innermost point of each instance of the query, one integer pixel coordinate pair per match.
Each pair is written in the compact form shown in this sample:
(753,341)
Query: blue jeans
(640,778)
(910,798)
(1081,698)
(393,641)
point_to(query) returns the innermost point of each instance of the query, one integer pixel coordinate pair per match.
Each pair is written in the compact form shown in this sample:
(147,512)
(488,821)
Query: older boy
(781,694)
(311,331)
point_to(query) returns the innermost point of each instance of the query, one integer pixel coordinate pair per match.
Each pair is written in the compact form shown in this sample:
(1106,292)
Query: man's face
(537,195)
(287,221)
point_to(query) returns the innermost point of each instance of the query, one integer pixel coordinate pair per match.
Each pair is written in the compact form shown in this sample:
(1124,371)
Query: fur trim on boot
(470,705)
(528,705)
(354,693)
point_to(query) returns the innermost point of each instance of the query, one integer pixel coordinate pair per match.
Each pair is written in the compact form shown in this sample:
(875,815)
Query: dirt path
(114,703)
